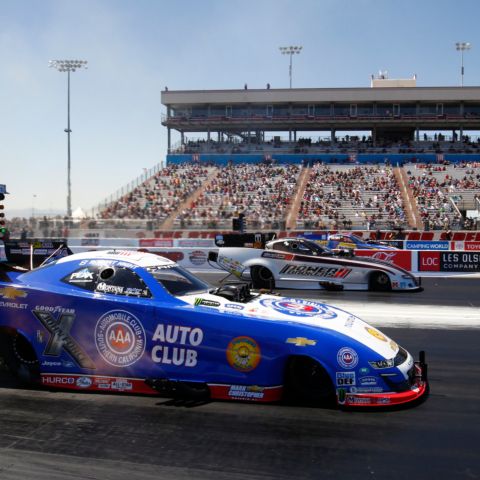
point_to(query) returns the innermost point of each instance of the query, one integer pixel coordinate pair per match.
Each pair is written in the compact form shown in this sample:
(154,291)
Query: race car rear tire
(21,359)
(308,382)
(380,282)
(262,277)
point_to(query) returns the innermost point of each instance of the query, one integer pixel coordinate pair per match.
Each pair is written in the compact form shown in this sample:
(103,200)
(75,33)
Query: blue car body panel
(88,335)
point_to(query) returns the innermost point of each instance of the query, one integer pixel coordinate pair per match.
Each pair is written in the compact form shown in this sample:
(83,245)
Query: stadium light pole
(68,66)
(291,50)
(462,46)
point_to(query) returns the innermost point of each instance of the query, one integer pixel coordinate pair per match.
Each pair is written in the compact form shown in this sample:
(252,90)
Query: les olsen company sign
(448,262)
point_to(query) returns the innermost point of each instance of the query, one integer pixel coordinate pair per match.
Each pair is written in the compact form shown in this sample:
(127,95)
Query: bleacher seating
(442,190)
(262,192)
(349,196)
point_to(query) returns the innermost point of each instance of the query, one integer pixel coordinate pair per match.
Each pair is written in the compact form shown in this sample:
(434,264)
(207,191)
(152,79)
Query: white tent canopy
(78,214)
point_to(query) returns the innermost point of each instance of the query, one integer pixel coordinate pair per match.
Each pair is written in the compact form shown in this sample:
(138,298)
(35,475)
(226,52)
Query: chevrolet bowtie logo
(301,341)
(12,293)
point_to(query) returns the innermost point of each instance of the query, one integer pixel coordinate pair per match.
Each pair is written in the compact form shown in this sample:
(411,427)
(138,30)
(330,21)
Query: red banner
(156,242)
(429,261)
(400,258)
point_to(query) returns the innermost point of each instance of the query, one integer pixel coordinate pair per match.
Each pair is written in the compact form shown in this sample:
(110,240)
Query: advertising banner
(155,242)
(400,258)
(423,245)
(449,262)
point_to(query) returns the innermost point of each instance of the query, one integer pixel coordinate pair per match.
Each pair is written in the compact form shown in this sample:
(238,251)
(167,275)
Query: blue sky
(136,47)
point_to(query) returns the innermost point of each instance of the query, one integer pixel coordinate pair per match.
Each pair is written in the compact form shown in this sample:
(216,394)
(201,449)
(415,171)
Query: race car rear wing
(30,254)
(249,240)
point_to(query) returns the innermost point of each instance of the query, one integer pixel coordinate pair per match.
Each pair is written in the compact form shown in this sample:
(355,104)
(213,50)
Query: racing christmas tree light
(3,228)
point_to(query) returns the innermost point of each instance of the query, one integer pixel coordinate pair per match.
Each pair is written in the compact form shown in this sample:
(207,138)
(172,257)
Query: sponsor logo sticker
(347,357)
(301,341)
(345,378)
(12,293)
(84,382)
(234,306)
(206,303)
(369,380)
(243,354)
(246,392)
(298,307)
(120,338)
(182,337)
(197,257)
(375,333)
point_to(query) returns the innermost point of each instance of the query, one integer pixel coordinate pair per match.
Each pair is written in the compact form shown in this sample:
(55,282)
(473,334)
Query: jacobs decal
(243,354)
(183,338)
(299,308)
(120,338)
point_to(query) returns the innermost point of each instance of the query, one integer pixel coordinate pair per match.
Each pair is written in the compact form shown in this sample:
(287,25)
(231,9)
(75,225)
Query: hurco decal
(299,308)
(243,354)
(309,271)
(170,335)
(60,336)
(120,338)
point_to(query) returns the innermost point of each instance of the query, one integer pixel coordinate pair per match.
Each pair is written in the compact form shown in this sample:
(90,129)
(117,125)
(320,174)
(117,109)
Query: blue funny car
(125,321)
(347,241)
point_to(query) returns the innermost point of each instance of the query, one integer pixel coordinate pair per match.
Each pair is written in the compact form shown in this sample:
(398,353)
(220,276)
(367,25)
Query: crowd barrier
(416,256)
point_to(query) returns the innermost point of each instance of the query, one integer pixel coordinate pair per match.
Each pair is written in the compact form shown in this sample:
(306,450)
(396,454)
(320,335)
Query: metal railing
(129,187)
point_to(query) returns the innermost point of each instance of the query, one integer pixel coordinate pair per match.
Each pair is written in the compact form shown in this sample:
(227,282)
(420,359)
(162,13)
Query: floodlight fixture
(291,50)
(462,47)
(68,66)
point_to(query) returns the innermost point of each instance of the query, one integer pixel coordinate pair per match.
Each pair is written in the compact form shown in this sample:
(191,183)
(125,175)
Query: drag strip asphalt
(62,435)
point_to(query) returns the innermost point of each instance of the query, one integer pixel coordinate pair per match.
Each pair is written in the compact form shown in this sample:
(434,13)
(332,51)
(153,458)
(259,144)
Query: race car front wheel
(21,359)
(308,382)
(380,281)
(262,277)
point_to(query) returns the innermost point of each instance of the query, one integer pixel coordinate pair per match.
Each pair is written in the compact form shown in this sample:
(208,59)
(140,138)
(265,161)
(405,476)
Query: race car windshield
(312,248)
(178,281)
(356,239)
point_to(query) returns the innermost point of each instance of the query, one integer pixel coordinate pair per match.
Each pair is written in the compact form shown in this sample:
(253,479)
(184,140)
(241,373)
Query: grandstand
(306,159)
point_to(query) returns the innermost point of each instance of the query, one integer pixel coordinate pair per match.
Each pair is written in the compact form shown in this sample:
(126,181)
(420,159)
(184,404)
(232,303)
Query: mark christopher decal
(60,337)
